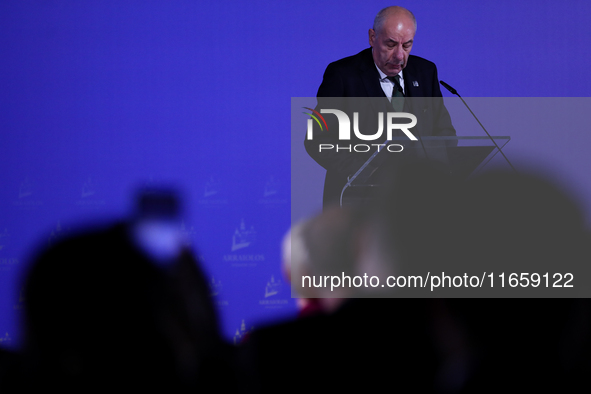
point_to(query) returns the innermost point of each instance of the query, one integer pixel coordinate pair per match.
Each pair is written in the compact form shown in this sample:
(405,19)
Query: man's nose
(398,53)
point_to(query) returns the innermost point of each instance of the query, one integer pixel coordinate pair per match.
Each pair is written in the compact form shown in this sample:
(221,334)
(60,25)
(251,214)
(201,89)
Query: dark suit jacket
(368,345)
(357,76)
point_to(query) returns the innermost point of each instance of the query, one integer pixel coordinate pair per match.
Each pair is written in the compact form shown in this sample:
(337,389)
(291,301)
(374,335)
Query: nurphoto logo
(344,129)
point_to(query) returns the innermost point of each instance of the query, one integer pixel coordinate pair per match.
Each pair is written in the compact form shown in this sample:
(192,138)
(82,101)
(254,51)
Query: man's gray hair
(378,22)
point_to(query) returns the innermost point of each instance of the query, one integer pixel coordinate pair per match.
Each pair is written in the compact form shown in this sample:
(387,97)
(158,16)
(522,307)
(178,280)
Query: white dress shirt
(387,85)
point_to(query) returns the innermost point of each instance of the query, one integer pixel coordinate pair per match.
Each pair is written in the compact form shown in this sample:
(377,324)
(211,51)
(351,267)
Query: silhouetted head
(100,311)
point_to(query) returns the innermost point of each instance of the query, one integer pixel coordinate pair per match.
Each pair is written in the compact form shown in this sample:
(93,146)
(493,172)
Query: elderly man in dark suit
(386,71)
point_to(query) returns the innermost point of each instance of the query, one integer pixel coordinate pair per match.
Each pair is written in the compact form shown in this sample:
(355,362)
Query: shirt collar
(384,76)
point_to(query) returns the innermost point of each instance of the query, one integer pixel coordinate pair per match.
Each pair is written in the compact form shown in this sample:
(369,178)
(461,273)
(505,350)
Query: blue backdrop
(98,98)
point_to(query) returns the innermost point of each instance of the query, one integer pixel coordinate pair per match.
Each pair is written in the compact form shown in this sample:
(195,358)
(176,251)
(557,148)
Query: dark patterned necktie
(397,95)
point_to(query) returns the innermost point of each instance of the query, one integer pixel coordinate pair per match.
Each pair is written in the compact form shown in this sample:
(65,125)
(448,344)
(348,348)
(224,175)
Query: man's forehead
(396,24)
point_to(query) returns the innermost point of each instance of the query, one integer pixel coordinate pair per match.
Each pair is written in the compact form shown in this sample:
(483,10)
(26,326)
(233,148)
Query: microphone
(453,91)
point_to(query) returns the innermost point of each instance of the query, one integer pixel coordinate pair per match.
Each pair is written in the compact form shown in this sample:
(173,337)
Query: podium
(463,157)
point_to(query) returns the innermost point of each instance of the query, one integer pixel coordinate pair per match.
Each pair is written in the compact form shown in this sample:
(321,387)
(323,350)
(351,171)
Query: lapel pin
(415,83)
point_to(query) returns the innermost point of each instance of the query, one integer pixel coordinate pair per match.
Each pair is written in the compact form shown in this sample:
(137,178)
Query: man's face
(392,44)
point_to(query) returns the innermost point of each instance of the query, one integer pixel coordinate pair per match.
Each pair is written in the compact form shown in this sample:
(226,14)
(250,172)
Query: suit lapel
(412,76)
(370,76)
(411,86)
(410,80)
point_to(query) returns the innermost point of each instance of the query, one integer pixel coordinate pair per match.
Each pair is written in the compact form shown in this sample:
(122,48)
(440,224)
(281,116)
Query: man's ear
(372,37)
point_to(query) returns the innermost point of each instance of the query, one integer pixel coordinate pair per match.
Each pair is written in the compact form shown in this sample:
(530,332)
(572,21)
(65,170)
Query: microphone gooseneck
(453,91)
